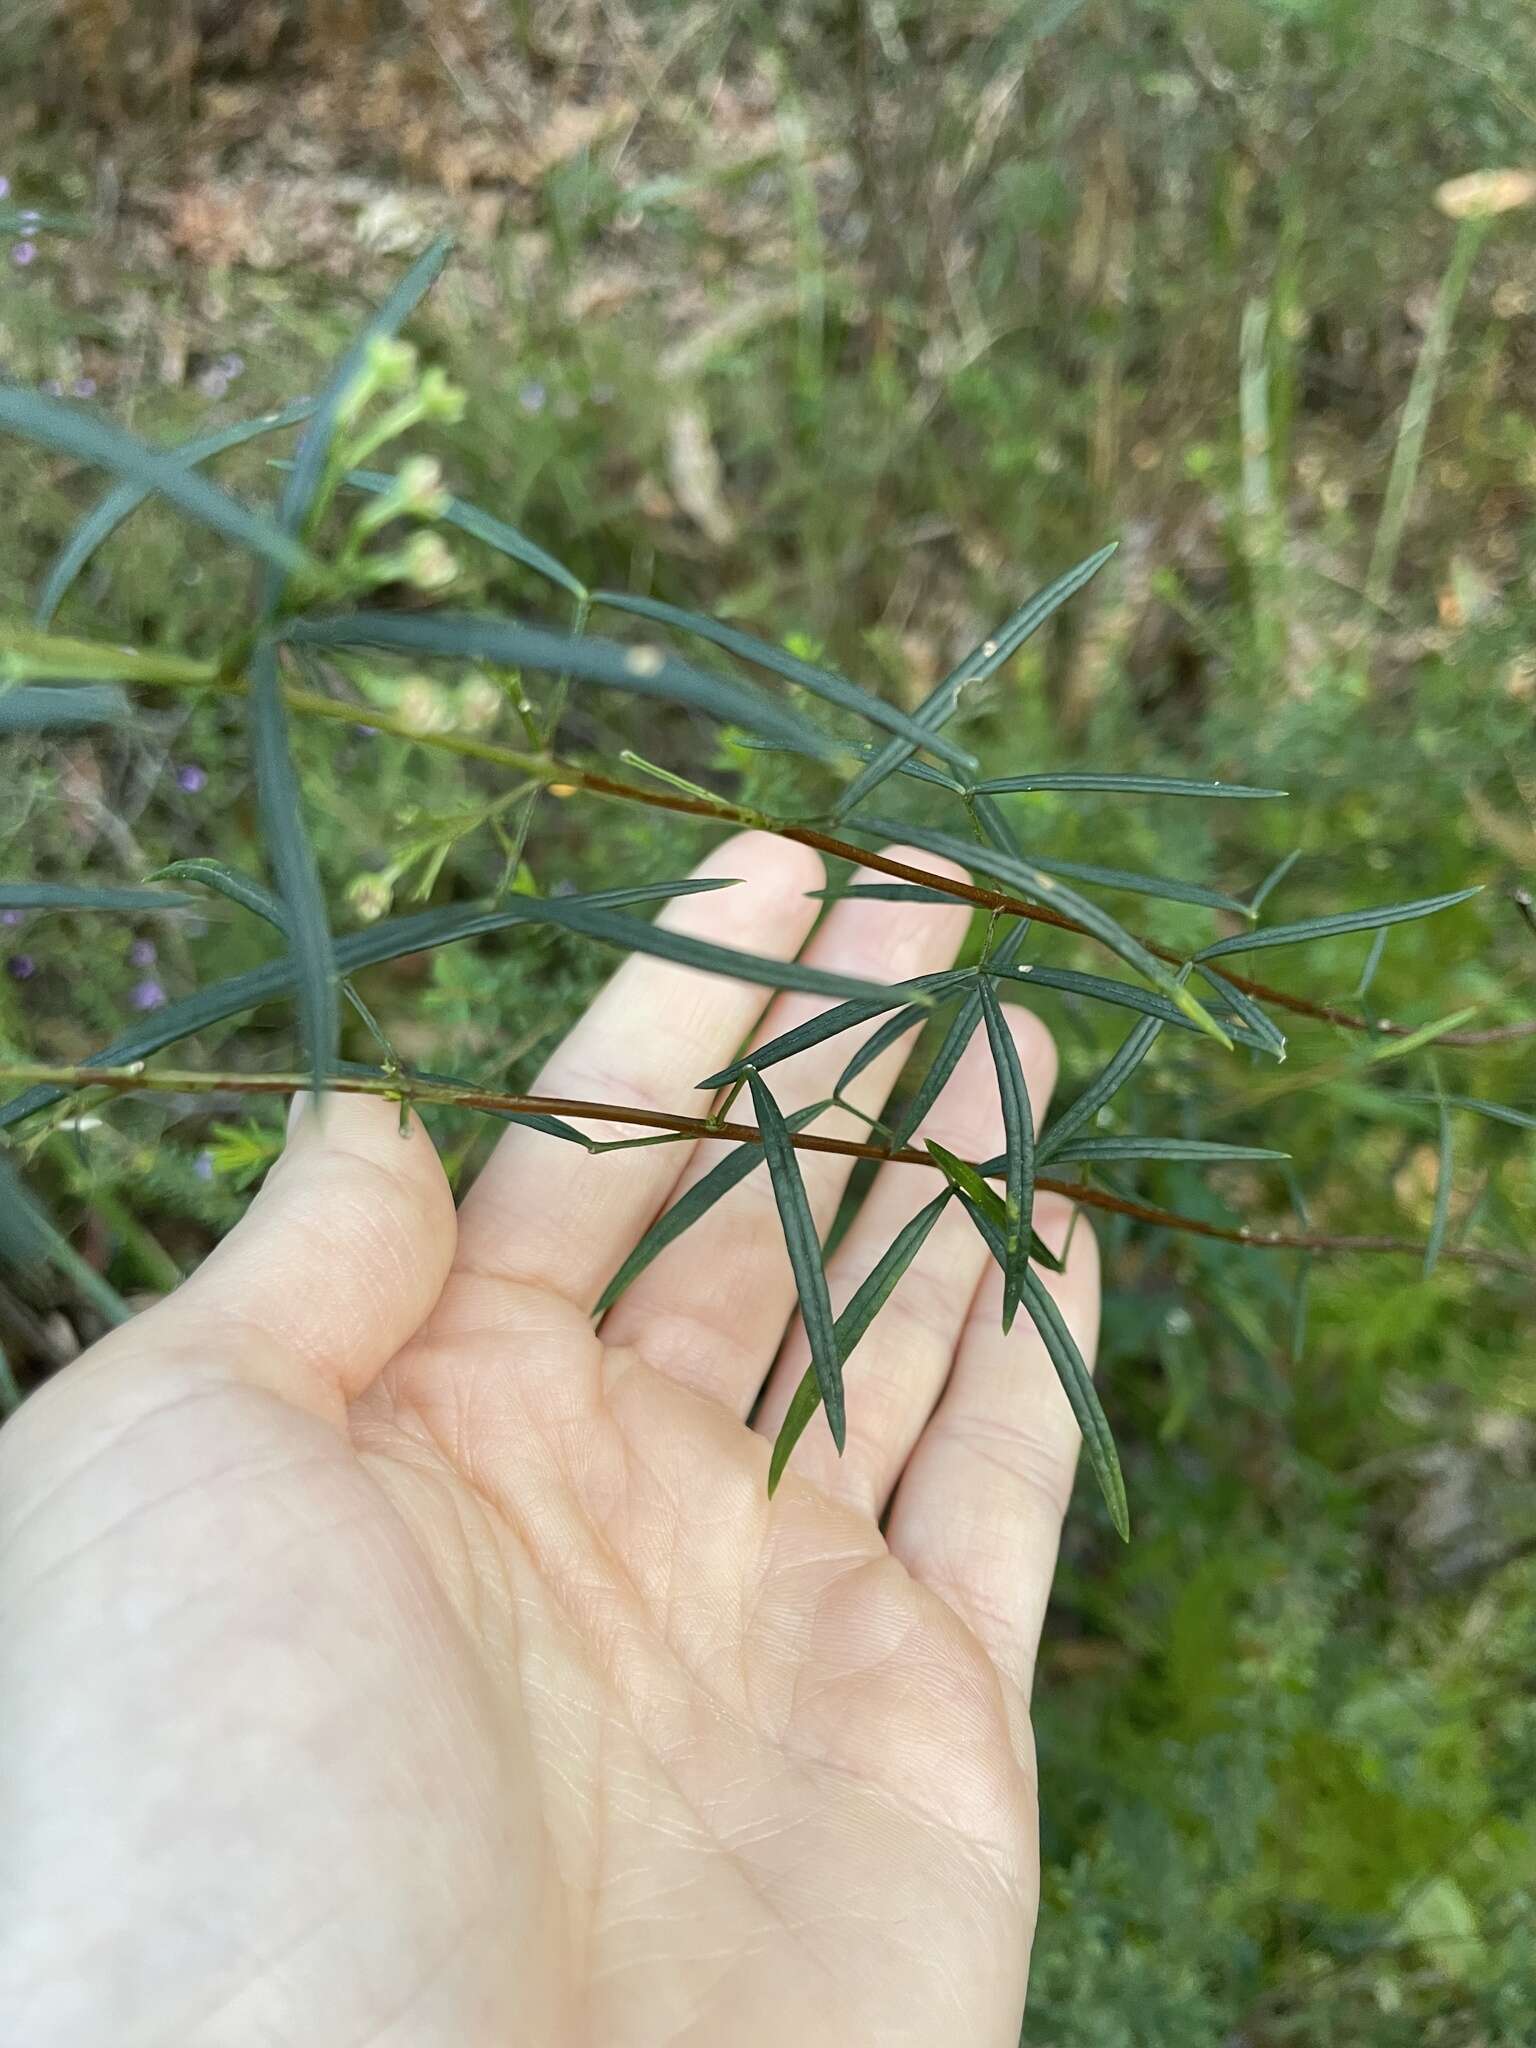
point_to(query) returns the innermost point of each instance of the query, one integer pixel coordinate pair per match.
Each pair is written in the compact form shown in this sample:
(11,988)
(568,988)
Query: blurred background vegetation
(854,322)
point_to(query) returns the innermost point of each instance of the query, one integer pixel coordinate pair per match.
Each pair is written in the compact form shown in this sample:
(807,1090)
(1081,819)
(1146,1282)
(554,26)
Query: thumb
(338,1261)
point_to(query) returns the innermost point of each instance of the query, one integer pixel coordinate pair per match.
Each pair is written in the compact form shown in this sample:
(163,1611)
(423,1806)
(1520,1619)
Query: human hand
(387,1656)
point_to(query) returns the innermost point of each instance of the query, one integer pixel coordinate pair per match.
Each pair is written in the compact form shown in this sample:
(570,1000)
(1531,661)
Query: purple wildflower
(531,396)
(142,953)
(5,188)
(23,254)
(202,1164)
(10,916)
(21,967)
(31,218)
(212,382)
(232,365)
(192,778)
(147,995)
(85,387)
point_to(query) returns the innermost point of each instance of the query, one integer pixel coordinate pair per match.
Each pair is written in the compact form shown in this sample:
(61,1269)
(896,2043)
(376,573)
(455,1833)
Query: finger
(338,1261)
(548,1215)
(978,1513)
(898,1371)
(711,1311)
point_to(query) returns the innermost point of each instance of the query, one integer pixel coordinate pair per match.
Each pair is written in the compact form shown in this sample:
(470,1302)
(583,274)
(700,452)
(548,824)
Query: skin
(390,1656)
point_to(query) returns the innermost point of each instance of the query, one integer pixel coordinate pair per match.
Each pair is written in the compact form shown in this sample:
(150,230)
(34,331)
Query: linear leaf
(309,459)
(1119,785)
(871,1296)
(1077,1384)
(889,1033)
(1124,995)
(1501,1112)
(1028,879)
(803,1244)
(1334,927)
(1106,1084)
(78,896)
(294,867)
(479,525)
(72,429)
(1190,1151)
(1019,1136)
(29,1238)
(108,514)
(25,709)
(988,1214)
(830,1023)
(821,682)
(642,671)
(1444,1175)
(1272,880)
(978,665)
(1164,887)
(1260,1026)
(693,1203)
(26,655)
(420,932)
(961,1030)
(532,1120)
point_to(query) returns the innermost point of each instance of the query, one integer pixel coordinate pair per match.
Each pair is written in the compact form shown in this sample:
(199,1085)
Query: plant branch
(565,778)
(136,1078)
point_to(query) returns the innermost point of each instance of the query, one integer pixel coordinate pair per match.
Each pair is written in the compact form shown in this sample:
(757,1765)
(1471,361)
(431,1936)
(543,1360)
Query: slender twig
(566,778)
(136,1078)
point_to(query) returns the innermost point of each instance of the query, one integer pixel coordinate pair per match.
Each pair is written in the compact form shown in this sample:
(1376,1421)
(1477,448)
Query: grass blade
(1077,1384)
(61,710)
(71,429)
(845,1017)
(1119,785)
(804,1247)
(693,1203)
(642,671)
(1334,927)
(124,499)
(871,1296)
(982,661)
(1019,1138)
(77,896)
(313,451)
(1105,1085)
(821,682)
(294,868)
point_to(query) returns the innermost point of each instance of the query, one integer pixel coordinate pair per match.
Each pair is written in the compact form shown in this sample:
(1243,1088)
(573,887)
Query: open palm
(389,1656)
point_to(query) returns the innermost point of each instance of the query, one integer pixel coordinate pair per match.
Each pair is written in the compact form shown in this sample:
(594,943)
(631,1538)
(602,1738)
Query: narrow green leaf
(1260,1028)
(1444,1175)
(693,1203)
(1126,995)
(1105,1085)
(26,655)
(1501,1112)
(71,429)
(871,1296)
(60,710)
(960,1032)
(1334,927)
(882,892)
(1019,1137)
(1426,1034)
(831,1023)
(641,671)
(29,1238)
(1377,947)
(394,937)
(1272,880)
(989,1218)
(229,882)
(108,514)
(967,1180)
(77,896)
(479,525)
(294,867)
(1164,887)
(1187,1151)
(1077,1384)
(314,447)
(1120,785)
(821,682)
(982,662)
(804,1247)
(1025,878)
(531,1120)
(889,1033)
